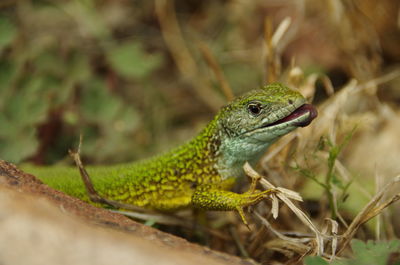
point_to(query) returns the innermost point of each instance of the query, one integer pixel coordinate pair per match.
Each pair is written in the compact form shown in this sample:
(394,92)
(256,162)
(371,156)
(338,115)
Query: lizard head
(253,121)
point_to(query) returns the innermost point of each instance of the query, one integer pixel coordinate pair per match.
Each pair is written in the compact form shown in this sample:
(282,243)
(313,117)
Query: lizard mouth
(304,110)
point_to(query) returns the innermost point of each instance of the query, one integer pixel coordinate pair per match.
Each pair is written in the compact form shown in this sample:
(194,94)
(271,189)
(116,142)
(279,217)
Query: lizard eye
(254,109)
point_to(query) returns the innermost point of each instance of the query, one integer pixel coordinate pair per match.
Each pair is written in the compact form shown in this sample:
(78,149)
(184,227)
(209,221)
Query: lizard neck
(224,153)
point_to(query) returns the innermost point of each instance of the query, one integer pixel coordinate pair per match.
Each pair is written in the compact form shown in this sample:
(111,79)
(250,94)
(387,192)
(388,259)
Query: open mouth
(302,110)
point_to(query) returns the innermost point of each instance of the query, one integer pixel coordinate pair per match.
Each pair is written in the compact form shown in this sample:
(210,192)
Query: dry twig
(186,64)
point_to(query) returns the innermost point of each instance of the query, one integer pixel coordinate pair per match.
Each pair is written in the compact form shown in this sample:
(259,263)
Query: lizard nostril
(290,101)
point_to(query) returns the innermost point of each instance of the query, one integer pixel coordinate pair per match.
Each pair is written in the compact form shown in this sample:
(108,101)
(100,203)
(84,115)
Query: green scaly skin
(200,172)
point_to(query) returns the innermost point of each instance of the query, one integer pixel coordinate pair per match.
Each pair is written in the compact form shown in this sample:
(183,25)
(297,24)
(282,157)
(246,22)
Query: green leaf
(373,252)
(7,126)
(337,181)
(49,62)
(7,32)
(127,121)
(107,109)
(333,153)
(7,73)
(130,60)
(18,146)
(98,104)
(321,143)
(29,105)
(78,67)
(376,253)
(315,261)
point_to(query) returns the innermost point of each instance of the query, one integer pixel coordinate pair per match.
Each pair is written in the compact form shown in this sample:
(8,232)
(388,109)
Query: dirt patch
(27,192)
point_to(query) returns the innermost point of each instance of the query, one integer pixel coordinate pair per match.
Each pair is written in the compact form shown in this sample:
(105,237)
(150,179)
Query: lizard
(201,172)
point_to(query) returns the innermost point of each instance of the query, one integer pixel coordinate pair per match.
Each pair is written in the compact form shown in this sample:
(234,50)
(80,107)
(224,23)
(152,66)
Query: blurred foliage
(51,76)
(121,59)
(377,253)
(101,68)
(55,54)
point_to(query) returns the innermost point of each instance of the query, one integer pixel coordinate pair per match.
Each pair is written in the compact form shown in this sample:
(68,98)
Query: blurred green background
(101,68)
(120,74)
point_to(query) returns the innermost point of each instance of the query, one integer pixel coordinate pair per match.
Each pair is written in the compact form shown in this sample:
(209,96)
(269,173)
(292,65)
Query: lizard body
(200,172)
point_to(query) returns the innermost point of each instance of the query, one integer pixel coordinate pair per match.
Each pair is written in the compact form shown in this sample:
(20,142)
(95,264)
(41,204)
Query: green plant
(366,253)
(330,180)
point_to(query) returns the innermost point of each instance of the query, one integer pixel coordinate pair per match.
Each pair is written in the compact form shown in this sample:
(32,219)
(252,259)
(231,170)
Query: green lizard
(200,172)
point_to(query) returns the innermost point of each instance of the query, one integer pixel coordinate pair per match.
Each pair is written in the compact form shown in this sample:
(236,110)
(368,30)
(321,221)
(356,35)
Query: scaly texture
(200,172)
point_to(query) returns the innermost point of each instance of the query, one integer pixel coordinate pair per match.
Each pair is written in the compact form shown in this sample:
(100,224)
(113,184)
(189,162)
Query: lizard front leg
(213,197)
